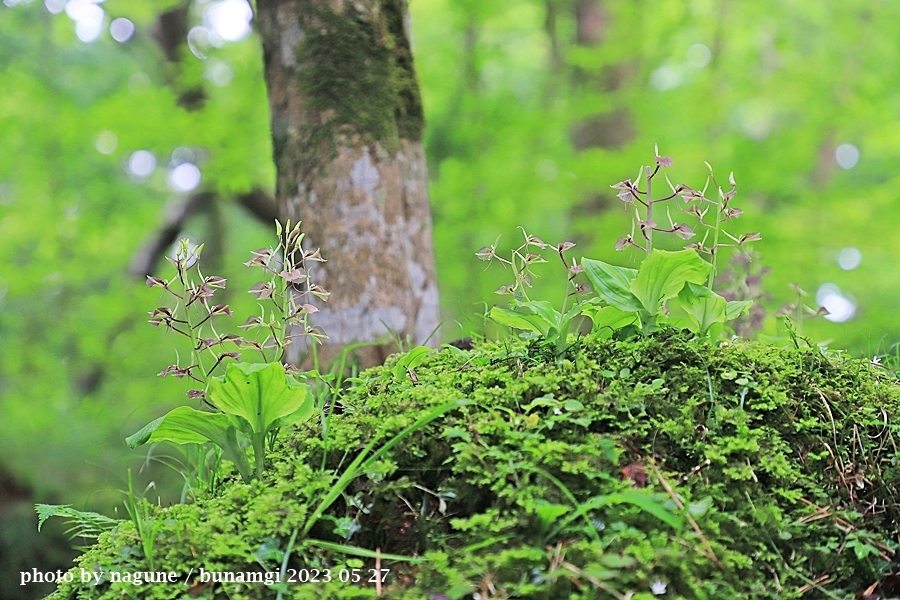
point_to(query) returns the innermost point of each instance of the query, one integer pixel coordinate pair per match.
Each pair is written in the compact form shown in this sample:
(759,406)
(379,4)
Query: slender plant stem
(259,452)
(287,556)
(521,274)
(196,359)
(649,230)
(288,297)
(715,248)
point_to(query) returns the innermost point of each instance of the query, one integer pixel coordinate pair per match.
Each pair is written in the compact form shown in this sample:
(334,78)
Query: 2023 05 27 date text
(342,575)
(349,575)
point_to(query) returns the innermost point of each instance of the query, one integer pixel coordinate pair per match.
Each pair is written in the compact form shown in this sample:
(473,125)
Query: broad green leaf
(552,334)
(260,394)
(609,317)
(547,400)
(566,321)
(573,405)
(580,308)
(186,425)
(541,308)
(704,307)
(676,322)
(517,320)
(612,284)
(736,308)
(182,425)
(862,549)
(663,274)
(411,360)
(548,513)
(298,416)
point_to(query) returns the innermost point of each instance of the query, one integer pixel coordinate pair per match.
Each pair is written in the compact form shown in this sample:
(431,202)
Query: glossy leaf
(261,395)
(736,308)
(411,360)
(704,307)
(536,315)
(612,284)
(186,425)
(548,513)
(517,320)
(609,318)
(663,274)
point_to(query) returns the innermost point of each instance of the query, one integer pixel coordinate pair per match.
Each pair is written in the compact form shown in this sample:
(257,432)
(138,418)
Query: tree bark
(347,126)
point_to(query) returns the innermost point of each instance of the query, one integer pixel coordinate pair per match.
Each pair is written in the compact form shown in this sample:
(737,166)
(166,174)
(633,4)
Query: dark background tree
(347,126)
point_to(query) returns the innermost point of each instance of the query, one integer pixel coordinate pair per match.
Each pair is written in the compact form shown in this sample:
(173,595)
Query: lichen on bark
(356,65)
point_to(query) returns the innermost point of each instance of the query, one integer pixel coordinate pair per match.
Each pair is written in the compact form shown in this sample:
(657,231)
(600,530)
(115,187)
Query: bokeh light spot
(88,19)
(182,154)
(230,19)
(121,29)
(699,56)
(846,155)
(667,77)
(88,30)
(840,307)
(849,258)
(106,142)
(55,6)
(142,163)
(185,177)
(756,118)
(198,40)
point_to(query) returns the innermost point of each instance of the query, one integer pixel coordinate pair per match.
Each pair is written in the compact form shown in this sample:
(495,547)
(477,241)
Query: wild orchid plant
(683,275)
(537,317)
(250,402)
(637,298)
(742,279)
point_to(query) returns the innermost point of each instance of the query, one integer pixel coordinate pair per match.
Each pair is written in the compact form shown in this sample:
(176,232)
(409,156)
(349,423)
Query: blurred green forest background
(534,108)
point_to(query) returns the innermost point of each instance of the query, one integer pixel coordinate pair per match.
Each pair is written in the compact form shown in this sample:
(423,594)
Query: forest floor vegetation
(660,466)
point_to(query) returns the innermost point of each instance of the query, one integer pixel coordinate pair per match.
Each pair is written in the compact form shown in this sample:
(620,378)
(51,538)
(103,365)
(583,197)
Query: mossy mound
(654,467)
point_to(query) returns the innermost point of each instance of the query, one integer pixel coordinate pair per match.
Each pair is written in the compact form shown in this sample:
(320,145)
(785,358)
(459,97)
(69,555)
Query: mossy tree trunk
(347,127)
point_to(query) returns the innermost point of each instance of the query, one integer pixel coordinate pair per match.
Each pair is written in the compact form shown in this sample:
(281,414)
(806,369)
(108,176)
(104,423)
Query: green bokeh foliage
(786,84)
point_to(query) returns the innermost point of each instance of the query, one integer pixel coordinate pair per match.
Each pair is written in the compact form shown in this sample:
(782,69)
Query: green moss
(360,67)
(784,458)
